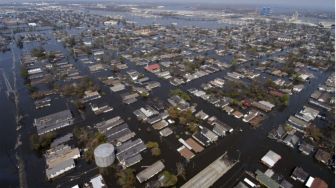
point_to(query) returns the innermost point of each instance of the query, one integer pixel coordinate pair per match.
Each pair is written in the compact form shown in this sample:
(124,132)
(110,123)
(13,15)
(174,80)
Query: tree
(181,94)
(233,64)
(314,132)
(89,139)
(126,178)
(24,73)
(154,146)
(167,179)
(42,143)
(284,100)
(38,52)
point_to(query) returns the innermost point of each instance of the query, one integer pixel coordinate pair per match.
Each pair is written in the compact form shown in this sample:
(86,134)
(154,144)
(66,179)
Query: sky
(315,4)
(319,4)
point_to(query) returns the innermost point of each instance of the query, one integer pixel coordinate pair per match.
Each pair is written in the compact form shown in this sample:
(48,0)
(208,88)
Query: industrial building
(208,176)
(53,122)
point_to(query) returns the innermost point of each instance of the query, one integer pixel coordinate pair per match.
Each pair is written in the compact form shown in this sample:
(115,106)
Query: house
(270,158)
(211,136)
(166,132)
(298,88)
(235,75)
(150,171)
(306,148)
(291,140)
(237,114)
(61,168)
(286,184)
(200,138)
(160,125)
(185,152)
(42,102)
(194,145)
(178,102)
(263,105)
(201,115)
(96,67)
(153,68)
(106,125)
(100,108)
(220,128)
(278,133)
(251,114)
(323,156)
(316,95)
(218,82)
(265,180)
(119,133)
(110,23)
(128,153)
(299,174)
(117,87)
(152,84)
(61,140)
(90,95)
(309,114)
(297,123)
(98,182)
(129,98)
(228,109)
(60,159)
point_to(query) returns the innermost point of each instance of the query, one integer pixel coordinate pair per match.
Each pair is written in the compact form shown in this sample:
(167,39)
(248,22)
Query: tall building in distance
(265,11)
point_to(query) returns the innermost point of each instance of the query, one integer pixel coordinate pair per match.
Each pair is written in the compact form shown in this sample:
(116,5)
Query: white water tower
(104,155)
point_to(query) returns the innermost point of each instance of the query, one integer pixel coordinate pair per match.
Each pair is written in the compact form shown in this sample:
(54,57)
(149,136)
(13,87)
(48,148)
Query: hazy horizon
(313,4)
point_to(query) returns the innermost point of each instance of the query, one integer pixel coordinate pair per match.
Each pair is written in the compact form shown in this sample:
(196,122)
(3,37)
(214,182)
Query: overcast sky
(317,4)
(320,4)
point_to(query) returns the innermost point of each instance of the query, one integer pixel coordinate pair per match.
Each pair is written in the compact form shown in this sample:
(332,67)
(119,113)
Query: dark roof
(322,156)
(299,174)
(286,184)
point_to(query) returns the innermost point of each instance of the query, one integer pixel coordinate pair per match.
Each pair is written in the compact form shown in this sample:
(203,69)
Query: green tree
(126,178)
(168,179)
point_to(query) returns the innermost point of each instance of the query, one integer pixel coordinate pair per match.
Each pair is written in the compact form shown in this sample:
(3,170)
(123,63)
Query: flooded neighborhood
(166,95)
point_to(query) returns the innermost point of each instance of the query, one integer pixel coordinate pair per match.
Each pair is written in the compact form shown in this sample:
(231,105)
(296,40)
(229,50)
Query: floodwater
(249,145)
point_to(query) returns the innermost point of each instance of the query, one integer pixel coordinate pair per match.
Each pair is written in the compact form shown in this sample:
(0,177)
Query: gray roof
(150,171)
(52,172)
(53,121)
(61,140)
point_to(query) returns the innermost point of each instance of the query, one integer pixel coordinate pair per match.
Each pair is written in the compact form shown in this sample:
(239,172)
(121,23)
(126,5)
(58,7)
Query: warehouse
(53,122)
